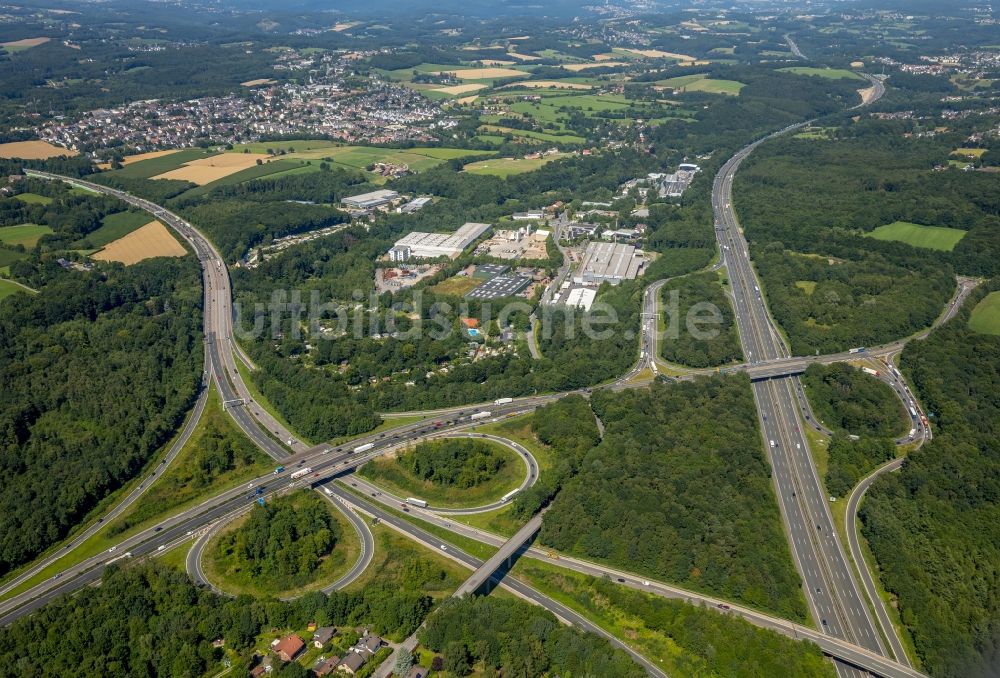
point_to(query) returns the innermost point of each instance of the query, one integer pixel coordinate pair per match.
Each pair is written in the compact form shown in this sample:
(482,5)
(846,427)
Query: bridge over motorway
(506,554)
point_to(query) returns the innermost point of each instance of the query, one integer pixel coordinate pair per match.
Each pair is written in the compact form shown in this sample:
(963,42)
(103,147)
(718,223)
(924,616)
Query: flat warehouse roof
(500,286)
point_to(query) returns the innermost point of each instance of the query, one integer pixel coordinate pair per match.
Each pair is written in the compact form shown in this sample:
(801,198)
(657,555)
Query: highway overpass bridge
(504,556)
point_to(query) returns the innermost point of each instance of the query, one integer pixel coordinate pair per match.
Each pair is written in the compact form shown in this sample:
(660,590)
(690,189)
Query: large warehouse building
(367,201)
(432,245)
(609,262)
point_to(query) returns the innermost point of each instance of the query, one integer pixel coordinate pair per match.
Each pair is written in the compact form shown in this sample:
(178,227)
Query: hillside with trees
(98,370)
(679,489)
(569,428)
(487,634)
(934,527)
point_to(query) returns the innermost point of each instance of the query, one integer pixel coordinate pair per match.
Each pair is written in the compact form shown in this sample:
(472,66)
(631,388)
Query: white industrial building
(368,201)
(413,205)
(609,262)
(433,245)
(581,297)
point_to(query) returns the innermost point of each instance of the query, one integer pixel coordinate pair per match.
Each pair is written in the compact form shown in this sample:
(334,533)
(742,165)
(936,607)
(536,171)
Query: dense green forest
(831,304)
(817,195)
(680,489)
(567,426)
(216,455)
(487,634)
(934,527)
(693,299)
(845,398)
(98,371)
(453,462)
(150,620)
(282,542)
(848,460)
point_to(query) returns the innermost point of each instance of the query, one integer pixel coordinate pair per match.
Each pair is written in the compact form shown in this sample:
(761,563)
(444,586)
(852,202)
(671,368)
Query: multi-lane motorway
(835,600)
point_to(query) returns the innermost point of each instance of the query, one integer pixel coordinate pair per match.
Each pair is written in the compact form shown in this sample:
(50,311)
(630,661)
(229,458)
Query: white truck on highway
(302,472)
(413,501)
(363,448)
(507,497)
(868,370)
(480,415)
(503,401)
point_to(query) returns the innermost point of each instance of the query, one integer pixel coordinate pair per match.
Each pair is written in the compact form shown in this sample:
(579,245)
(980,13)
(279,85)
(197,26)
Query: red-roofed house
(288,648)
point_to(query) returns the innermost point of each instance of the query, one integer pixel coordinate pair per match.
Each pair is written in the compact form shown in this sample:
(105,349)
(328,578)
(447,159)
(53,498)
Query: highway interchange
(834,597)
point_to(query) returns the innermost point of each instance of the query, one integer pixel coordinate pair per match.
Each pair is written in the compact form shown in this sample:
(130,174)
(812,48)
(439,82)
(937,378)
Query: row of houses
(290,647)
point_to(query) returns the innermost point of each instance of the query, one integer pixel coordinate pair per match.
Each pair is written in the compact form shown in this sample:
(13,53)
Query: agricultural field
(8,257)
(21,45)
(33,150)
(700,82)
(576,68)
(973,153)
(253,172)
(497,130)
(360,157)
(455,90)
(139,157)
(985,316)
(684,59)
(258,82)
(8,288)
(504,167)
(166,162)
(928,237)
(113,227)
(206,170)
(829,73)
(492,73)
(152,240)
(23,234)
(33,199)
(554,84)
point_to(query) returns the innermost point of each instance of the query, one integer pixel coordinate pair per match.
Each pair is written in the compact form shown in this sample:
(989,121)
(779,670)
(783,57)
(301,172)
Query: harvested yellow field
(259,81)
(343,26)
(152,240)
(138,157)
(658,54)
(603,57)
(857,64)
(25,43)
(496,62)
(466,100)
(33,150)
(601,64)
(554,84)
(460,89)
(485,73)
(207,170)
(524,57)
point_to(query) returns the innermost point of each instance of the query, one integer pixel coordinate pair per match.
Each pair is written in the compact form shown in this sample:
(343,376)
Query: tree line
(934,527)
(98,371)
